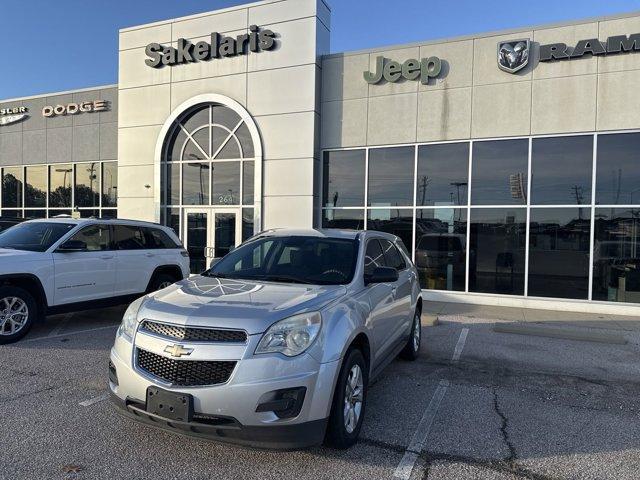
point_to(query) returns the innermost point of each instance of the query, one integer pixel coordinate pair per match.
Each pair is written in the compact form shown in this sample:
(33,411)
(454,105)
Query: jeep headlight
(291,336)
(130,318)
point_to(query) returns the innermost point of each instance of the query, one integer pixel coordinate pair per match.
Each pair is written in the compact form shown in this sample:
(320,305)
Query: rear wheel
(411,350)
(18,311)
(160,281)
(349,402)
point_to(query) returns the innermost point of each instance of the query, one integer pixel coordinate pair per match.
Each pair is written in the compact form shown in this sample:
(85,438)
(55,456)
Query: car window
(128,237)
(373,257)
(34,236)
(156,238)
(392,256)
(97,237)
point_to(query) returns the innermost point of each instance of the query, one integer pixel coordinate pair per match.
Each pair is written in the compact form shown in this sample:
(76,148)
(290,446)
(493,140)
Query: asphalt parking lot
(478,404)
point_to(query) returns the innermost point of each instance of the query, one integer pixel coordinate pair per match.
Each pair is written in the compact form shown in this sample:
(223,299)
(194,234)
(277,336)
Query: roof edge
(65,92)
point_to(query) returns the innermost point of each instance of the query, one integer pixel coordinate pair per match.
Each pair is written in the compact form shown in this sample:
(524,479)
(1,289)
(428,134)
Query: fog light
(113,375)
(285,403)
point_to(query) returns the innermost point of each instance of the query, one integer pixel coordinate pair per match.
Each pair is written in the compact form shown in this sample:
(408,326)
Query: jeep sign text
(74,108)
(412,69)
(220,47)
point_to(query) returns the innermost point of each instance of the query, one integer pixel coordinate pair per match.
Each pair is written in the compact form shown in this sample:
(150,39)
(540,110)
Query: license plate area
(170,405)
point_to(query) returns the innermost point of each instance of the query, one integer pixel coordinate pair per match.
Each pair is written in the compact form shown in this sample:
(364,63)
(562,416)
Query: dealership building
(507,162)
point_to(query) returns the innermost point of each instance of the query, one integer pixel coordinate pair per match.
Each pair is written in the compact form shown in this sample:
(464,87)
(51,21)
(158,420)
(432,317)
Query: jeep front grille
(184,373)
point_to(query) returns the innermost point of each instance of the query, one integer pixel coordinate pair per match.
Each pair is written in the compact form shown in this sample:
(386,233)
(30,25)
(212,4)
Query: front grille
(194,334)
(184,373)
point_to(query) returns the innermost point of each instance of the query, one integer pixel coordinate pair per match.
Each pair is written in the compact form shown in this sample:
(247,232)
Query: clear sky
(54,45)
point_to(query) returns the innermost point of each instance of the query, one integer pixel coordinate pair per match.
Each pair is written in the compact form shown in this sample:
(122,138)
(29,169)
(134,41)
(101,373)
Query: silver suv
(276,344)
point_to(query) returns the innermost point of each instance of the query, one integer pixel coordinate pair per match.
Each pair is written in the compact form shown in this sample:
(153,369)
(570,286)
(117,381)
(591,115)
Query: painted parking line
(67,334)
(61,324)
(418,442)
(94,400)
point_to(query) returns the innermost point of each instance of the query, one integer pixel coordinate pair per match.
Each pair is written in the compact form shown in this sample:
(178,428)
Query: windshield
(34,237)
(313,260)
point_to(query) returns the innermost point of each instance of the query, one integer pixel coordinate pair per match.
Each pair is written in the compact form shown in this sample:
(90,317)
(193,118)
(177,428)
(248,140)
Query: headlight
(291,336)
(128,325)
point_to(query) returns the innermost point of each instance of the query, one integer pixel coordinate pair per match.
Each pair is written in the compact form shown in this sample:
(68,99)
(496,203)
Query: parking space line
(94,400)
(460,345)
(61,324)
(77,332)
(418,442)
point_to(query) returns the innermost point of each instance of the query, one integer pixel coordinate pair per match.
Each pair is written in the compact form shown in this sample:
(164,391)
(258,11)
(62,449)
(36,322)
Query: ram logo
(513,55)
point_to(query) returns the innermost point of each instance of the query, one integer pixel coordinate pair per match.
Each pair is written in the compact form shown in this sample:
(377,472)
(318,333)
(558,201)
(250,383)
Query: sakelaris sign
(219,47)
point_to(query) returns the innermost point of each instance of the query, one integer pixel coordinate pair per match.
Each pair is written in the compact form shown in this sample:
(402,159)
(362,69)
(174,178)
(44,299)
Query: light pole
(64,181)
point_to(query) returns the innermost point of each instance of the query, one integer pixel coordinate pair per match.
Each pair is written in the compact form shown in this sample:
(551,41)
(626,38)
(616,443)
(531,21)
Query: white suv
(62,264)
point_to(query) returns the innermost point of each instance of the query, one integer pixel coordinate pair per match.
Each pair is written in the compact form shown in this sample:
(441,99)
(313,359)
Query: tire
(160,281)
(411,350)
(18,312)
(340,434)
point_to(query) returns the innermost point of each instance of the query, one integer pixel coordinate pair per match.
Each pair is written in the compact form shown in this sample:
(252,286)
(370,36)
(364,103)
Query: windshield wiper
(285,278)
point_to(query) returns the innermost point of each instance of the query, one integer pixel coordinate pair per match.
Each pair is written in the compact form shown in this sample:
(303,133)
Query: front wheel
(18,311)
(160,281)
(349,402)
(411,350)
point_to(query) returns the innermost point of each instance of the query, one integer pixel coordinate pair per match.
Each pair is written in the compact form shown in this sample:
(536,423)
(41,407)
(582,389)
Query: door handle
(149,254)
(106,257)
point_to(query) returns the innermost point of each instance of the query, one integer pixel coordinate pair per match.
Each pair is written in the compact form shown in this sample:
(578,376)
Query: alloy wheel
(353,399)
(14,314)
(164,285)
(417,331)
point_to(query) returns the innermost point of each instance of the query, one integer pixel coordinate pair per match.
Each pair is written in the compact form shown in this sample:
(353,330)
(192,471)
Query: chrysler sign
(218,47)
(11,115)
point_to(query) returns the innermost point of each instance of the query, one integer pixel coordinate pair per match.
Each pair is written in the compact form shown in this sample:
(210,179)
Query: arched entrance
(209,159)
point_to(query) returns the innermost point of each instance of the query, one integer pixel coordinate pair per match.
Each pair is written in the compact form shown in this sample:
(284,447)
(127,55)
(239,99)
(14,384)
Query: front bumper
(227,412)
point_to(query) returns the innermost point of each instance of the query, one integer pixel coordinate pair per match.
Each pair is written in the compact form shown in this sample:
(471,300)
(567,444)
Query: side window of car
(392,255)
(128,237)
(156,238)
(373,257)
(96,237)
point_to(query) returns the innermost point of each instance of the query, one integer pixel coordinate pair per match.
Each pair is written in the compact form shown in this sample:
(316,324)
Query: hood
(7,255)
(243,304)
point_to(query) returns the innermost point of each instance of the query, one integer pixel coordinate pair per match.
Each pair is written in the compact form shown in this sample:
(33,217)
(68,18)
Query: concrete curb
(563,333)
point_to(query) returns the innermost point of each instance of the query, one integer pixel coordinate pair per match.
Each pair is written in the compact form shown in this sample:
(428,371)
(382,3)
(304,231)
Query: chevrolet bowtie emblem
(177,350)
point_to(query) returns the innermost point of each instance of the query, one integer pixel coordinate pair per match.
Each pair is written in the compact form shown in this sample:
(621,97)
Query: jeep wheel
(18,310)
(349,402)
(160,281)
(411,350)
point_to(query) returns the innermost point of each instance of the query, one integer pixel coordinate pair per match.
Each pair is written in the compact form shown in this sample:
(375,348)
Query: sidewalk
(458,311)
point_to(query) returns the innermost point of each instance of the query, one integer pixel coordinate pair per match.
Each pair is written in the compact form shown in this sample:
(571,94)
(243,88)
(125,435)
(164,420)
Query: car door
(85,275)
(135,261)
(401,290)
(381,300)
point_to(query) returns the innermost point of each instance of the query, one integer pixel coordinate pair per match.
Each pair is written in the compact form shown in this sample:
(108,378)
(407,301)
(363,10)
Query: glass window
(110,184)
(173,220)
(441,248)
(226,183)
(11,213)
(343,178)
(559,252)
(108,213)
(96,237)
(499,174)
(128,238)
(247,224)
(443,174)
(32,214)
(392,256)
(391,176)
(35,187)
(173,184)
(87,189)
(497,250)
(156,238)
(60,179)
(373,258)
(89,213)
(343,219)
(561,170)
(618,169)
(248,174)
(195,183)
(12,187)
(616,255)
(394,221)
(34,237)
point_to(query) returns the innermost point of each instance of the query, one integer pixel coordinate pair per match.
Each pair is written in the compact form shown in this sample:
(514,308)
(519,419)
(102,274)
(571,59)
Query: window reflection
(60,178)
(195,184)
(561,170)
(559,252)
(248,174)
(35,189)
(398,222)
(225,183)
(441,248)
(497,250)
(616,255)
(391,176)
(343,178)
(499,174)
(87,185)
(12,187)
(618,171)
(443,174)
(343,219)
(110,184)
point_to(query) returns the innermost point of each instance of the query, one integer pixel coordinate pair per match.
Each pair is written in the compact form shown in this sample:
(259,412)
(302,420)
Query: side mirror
(72,246)
(382,275)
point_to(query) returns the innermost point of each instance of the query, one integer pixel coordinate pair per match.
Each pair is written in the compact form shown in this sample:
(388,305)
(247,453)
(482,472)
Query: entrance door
(211,233)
